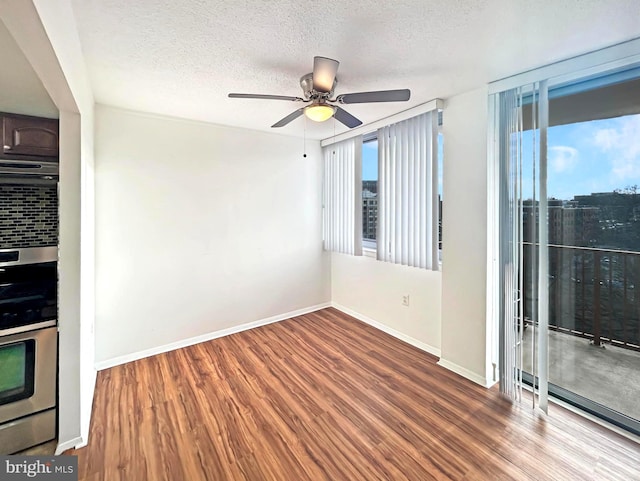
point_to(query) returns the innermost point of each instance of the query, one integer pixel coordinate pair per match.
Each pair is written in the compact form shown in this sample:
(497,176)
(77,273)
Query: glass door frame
(622,56)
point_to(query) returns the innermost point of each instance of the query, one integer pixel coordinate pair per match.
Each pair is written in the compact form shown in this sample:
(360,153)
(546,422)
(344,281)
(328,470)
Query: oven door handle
(29,327)
(9,257)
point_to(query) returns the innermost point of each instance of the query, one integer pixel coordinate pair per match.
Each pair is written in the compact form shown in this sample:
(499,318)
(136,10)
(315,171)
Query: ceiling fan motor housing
(306,82)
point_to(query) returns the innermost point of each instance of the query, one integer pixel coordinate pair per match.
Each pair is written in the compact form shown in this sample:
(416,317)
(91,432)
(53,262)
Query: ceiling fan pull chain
(304,141)
(334,132)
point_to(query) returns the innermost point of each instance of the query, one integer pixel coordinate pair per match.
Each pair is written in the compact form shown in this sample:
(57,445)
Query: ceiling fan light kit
(319,112)
(318,87)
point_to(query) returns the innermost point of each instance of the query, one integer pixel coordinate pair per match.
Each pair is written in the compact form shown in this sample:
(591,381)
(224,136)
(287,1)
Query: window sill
(369,252)
(372,252)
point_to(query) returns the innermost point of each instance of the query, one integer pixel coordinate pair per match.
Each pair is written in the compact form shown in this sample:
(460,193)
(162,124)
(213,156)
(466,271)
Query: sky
(588,157)
(370,160)
(584,157)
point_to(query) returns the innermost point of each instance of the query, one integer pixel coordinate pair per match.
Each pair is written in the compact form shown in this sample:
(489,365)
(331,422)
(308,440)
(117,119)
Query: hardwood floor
(326,397)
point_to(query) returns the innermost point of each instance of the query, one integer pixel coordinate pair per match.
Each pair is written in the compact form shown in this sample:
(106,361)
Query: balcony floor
(609,376)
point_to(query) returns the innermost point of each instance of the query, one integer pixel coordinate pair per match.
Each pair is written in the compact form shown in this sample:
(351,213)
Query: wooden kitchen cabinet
(26,137)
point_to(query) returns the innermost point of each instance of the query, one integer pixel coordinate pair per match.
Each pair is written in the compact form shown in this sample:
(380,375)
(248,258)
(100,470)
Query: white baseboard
(72,443)
(472,376)
(116,361)
(389,330)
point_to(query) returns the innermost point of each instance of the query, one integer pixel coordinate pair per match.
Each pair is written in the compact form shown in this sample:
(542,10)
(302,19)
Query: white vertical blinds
(408,192)
(508,122)
(342,204)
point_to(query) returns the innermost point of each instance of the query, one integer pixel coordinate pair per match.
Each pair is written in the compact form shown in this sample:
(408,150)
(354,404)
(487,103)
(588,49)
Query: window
(568,241)
(370,189)
(381,190)
(369,192)
(593,166)
(18,365)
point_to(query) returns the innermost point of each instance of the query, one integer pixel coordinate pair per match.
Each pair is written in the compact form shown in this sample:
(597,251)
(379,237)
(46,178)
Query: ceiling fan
(318,87)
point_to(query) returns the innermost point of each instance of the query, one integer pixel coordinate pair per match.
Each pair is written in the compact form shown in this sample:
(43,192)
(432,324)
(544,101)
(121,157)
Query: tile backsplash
(28,215)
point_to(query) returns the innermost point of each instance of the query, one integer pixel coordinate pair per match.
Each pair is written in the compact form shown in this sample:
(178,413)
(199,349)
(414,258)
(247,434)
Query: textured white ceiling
(21,91)
(182,58)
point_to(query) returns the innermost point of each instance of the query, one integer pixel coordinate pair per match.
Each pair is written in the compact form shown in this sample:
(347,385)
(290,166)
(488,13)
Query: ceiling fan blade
(324,73)
(346,118)
(378,96)
(292,116)
(264,97)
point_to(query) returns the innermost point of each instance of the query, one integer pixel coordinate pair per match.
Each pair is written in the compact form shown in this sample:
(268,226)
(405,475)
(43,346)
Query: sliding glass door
(574,180)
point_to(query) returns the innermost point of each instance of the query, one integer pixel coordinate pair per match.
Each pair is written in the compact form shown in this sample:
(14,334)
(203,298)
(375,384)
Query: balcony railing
(593,293)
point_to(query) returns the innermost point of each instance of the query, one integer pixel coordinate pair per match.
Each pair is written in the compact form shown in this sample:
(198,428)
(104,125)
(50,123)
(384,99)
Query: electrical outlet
(405,300)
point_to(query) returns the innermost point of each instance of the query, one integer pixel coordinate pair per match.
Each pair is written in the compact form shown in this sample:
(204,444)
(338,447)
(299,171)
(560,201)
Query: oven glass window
(28,294)
(16,371)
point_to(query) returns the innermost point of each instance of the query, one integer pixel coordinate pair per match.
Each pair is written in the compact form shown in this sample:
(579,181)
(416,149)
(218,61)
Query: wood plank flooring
(324,397)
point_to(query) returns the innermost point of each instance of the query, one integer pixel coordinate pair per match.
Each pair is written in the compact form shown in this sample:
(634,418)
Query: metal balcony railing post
(596,298)
(583,283)
(624,298)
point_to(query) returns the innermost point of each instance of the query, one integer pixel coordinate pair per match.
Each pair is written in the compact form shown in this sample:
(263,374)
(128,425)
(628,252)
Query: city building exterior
(369,209)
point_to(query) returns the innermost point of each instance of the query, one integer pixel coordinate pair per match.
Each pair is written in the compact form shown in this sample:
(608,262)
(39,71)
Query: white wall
(447,312)
(464,236)
(372,290)
(200,228)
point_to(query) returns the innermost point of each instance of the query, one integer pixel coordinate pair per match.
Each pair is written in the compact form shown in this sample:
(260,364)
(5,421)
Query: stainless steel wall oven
(28,347)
